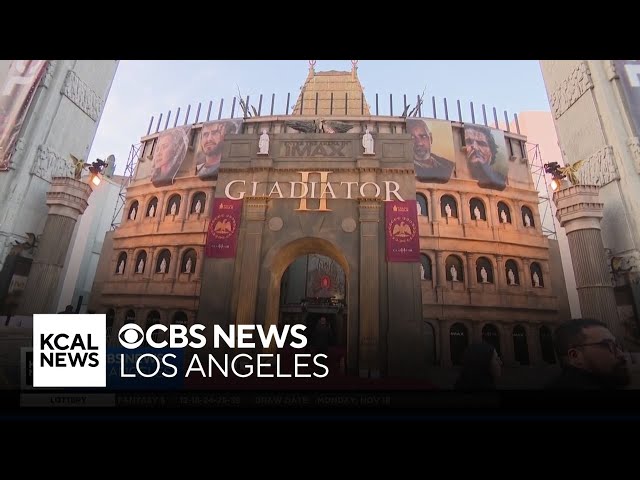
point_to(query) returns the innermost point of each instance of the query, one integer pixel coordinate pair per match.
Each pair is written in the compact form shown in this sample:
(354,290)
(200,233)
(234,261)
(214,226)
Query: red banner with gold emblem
(401,227)
(222,235)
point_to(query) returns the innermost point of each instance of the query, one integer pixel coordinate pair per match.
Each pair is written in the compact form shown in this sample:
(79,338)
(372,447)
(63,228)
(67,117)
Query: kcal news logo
(69,350)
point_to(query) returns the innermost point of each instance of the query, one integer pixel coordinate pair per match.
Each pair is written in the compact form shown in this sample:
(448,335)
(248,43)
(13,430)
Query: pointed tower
(332,93)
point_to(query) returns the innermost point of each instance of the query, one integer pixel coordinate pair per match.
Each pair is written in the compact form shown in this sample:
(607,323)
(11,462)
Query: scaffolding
(545,206)
(132,161)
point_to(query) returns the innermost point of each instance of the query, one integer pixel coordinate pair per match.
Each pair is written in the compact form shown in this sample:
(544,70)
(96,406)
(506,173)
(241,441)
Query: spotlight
(95,179)
(555,184)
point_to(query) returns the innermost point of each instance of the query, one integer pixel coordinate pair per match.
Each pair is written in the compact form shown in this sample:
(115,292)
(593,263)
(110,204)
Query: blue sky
(145,88)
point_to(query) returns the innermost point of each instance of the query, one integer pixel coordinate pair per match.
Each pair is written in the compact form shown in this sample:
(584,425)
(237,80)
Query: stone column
(67,200)
(533,344)
(525,276)
(369,363)
(472,281)
(464,209)
(499,276)
(508,352)
(255,212)
(435,208)
(579,211)
(445,344)
(440,270)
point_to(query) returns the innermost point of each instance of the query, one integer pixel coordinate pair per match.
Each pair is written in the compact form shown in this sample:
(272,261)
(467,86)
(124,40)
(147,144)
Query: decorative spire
(354,69)
(312,63)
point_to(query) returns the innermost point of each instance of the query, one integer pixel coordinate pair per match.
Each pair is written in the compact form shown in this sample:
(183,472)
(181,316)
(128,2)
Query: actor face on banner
(168,155)
(429,166)
(486,156)
(211,145)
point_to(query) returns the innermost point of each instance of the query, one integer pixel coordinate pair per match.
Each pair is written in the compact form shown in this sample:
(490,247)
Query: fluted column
(472,281)
(256,209)
(464,208)
(440,270)
(434,207)
(67,200)
(579,211)
(499,276)
(445,344)
(369,363)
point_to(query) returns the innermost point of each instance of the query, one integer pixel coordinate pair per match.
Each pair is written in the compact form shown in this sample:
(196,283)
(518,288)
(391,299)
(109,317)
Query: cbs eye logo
(131,336)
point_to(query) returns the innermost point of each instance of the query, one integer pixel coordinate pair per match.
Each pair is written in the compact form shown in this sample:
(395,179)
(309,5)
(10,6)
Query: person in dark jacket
(590,357)
(481,366)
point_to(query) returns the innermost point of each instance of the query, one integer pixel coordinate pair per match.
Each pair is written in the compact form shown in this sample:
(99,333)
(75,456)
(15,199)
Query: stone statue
(173,208)
(141,265)
(503,216)
(476,213)
(421,272)
(163,265)
(536,279)
(134,212)
(152,211)
(454,273)
(198,206)
(447,209)
(483,274)
(187,267)
(367,142)
(512,277)
(121,267)
(263,143)
(527,220)
(419,208)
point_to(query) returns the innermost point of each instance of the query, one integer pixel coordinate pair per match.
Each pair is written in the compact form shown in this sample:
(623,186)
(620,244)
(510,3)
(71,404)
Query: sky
(143,89)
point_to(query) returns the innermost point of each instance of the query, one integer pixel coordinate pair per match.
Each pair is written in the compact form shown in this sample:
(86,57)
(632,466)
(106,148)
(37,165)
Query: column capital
(578,207)
(68,197)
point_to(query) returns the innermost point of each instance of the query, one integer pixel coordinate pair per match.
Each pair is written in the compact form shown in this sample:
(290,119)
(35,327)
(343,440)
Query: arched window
(121,264)
(111,317)
(536,275)
(527,217)
(422,205)
(491,336)
(504,213)
(180,318)
(173,205)
(133,211)
(520,349)
(454,270)
(477,210)
(164,259)
(484,270)
(188,264)
(430,343)
(546,345)
(425,267)
(448,207)
(152,207)
(153,319)
(458,340)
(511,272)
(141,262)
(197,203)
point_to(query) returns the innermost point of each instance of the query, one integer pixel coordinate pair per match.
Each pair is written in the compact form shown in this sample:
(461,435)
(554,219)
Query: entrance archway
(278,262)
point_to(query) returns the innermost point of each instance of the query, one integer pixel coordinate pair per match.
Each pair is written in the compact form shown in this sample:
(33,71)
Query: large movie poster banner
(211,146)
(433,149)
(168,155)
(401,231)
(486,152)
(15,97)
(222,235)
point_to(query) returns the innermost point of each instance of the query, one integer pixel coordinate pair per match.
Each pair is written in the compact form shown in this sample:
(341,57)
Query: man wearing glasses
(590,357)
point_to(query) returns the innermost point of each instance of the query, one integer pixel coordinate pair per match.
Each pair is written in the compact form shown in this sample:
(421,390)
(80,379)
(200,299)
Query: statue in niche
(421,272)
(536,279)
(483,275)
(121,267)
(476,213)
(141,265)
(527,220)
(132,215)
(263,143)
(512,277)
(163,266)
(367,142)
(198,207)
(152,211)
(174,208)
(187,267)
(454,273)
(447,210)
(503,216)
